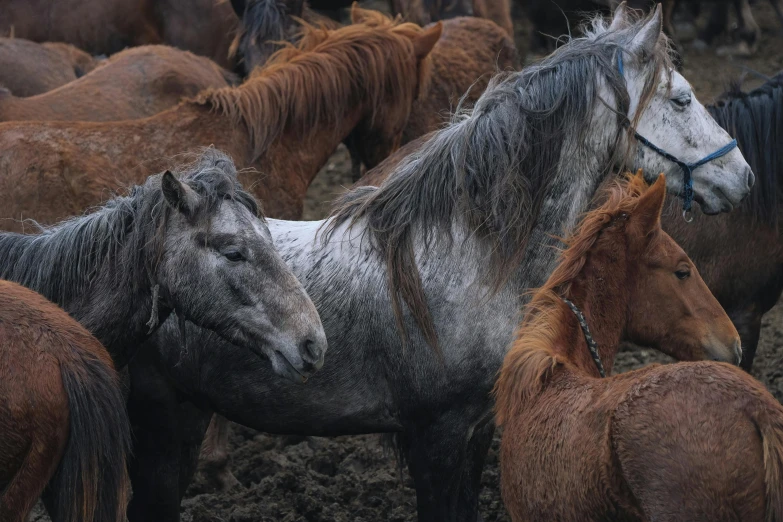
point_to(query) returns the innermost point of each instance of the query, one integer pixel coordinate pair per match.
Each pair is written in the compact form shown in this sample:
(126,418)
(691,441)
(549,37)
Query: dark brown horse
(62,416)
(135,83)
(28,68)
(96,26)
(424,12)
(285,122)
(741,256)
(687,441)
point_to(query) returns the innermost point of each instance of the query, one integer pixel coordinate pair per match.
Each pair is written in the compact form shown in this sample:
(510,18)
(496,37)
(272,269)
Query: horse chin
(283,367)
(714,205)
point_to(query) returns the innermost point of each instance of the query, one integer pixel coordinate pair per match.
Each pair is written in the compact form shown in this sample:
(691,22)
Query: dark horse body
(63,423)
(470,188)
(740,256)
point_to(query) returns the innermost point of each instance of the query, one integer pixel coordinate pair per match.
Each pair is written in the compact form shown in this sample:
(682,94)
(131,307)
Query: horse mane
(532,359)
(121,240)
(755,120)
(263,20)
(301,86)
(492,168)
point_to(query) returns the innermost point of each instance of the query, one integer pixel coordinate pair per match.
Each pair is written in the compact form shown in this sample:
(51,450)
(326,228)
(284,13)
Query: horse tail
(770,425)
(91,483)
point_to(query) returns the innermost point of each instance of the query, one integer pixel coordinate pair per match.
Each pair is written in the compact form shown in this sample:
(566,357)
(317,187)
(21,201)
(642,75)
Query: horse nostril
(751,178)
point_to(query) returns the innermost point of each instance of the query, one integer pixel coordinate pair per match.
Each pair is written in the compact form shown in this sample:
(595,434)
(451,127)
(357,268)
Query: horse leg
(777,5)
(153,409)
(436,456)
(29,481)
(478,447)
(215,463)
(717,23)
(748,325)
(749,30)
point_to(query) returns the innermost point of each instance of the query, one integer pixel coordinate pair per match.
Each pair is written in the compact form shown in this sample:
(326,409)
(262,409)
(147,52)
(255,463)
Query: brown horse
(62,416)
(424,12)
(284,122)
(28,68)
(96,26)
(470,51)
(138,82)
(688,441)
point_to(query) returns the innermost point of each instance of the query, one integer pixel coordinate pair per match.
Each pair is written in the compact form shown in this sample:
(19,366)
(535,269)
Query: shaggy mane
(303,86)
(532,359)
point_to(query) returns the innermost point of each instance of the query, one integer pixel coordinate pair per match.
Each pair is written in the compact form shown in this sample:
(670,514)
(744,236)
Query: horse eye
(682,101)
(234,255)
(682,274)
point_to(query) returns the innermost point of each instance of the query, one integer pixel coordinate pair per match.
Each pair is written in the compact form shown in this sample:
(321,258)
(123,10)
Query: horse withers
(63,423)
(686,441)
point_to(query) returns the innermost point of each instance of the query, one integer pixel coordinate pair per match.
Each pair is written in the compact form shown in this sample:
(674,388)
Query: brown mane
(531,359)
(300,86)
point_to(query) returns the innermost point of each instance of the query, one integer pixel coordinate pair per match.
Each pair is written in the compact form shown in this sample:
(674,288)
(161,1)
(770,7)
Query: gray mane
(120,240)
(491,169)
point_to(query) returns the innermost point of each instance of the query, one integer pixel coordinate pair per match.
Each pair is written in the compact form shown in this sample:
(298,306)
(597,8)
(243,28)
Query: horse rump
(769,423)
(91,483)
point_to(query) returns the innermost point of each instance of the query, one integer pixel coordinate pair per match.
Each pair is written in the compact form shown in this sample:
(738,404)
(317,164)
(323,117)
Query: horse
(424,12)
(459,74)
(264,26)
(28,68)
(97,26)
(358,76)
(192,245)
(686,441)
(746,278)
(135,83)
(65,430)
(451,241)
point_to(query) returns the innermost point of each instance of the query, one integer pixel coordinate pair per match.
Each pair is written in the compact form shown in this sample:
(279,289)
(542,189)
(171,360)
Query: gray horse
(194,246)
(420,282)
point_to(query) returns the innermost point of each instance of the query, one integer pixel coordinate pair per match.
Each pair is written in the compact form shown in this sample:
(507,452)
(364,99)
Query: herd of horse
(131,334)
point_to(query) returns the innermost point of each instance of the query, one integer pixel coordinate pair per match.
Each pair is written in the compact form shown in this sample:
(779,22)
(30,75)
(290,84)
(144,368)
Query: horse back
(686,440)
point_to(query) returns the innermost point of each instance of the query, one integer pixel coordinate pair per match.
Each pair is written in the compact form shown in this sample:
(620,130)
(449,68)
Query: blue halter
(687,168)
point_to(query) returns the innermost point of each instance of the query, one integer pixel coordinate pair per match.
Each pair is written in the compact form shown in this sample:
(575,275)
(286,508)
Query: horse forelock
(306,86)
(121,240)
(755,120)
(492,168)
(533,355)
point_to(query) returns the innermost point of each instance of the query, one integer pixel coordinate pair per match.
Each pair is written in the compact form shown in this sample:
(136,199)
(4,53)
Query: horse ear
(620,18)
(358,15)
(178,195)
(647,214)
(424,42)
(239,7)
(643,44)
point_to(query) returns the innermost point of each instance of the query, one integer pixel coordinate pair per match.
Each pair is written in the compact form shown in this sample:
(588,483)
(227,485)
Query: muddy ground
(352,478)
(342,479)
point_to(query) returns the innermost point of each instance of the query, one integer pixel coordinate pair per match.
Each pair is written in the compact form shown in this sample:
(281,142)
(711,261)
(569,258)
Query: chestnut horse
(285,122)
(687,441)
(138,82)
(466,56)
(62,417)
(28,68)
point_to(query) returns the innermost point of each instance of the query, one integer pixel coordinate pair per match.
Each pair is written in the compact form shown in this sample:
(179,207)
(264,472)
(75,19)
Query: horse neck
(602,297)
(581,173)
(114,310)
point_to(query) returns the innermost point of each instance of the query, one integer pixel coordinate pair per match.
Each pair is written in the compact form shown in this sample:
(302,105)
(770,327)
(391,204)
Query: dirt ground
(292,479)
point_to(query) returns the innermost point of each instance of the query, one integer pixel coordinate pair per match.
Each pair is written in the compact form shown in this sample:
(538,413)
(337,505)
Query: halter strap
(591,344)
(687,168)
